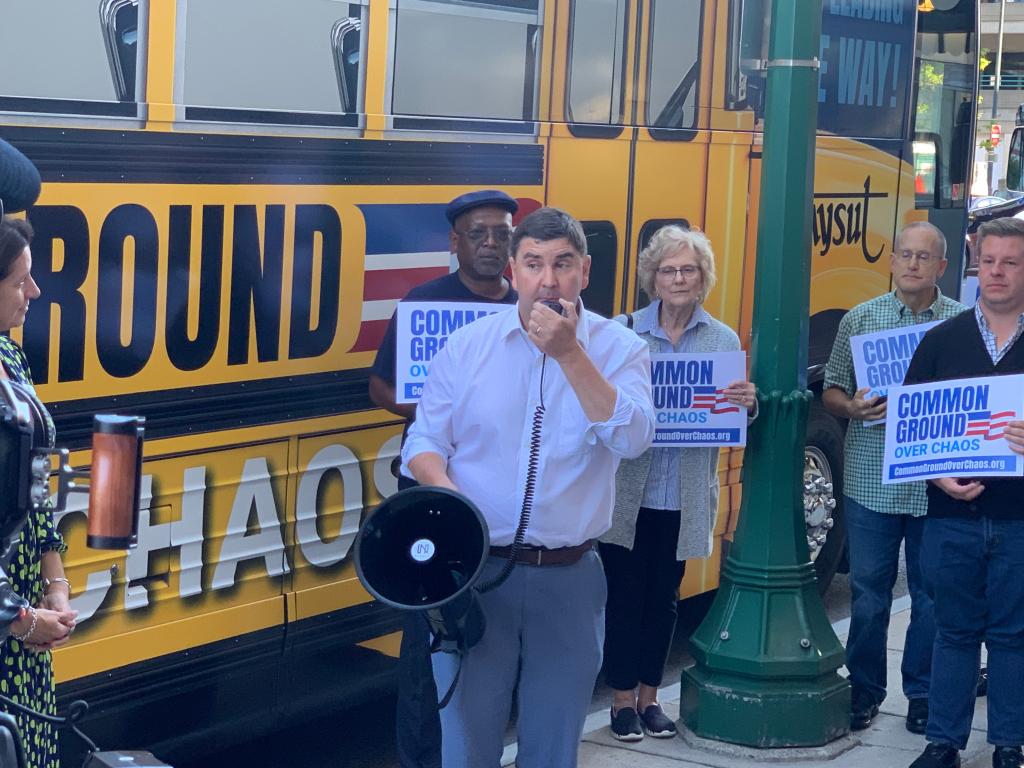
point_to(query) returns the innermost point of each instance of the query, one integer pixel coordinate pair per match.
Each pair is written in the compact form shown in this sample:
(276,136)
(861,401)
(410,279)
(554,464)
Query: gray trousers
(545,632)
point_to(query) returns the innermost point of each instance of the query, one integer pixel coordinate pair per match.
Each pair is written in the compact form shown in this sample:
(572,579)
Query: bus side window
(466,59)
(120,22)
(59,57)
(926,169)
(345,40)
(603,246)
(1013,162)
(597,46)
(748,46)
(646,233)
(673,63)
(261,61)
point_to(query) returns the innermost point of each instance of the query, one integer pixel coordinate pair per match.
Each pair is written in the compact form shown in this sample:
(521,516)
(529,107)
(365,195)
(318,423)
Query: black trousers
(643,589)
(417,723)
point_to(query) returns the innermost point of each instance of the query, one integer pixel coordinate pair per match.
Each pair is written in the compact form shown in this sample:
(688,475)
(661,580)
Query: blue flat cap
(19,179)
(472,200)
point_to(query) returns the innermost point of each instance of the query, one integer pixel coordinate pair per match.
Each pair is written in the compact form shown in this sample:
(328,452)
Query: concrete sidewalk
(886,744)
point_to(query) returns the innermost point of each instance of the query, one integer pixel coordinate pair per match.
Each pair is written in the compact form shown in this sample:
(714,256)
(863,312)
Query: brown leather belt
(545,556)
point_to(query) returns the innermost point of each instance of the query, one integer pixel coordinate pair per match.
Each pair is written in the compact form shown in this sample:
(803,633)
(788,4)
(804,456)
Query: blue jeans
(976,570)
(874,540)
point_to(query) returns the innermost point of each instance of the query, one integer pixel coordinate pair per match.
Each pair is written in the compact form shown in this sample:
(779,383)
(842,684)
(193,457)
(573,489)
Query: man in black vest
(972,550)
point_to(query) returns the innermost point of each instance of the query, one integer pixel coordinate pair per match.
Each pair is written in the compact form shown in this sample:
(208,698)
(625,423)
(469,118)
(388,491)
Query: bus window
(943,109)
(646,233)
(59,57)
(674,63)
(119,20)
(597,47)
(925,168)
(466,59)
(1013,162)
(602,245)
(748,38)
(299,67)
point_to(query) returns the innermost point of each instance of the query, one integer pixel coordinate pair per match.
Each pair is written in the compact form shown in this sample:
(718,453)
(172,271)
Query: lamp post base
(767,661)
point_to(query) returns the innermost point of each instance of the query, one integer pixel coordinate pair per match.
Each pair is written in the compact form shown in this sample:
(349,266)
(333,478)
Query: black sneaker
(656,722)
(863,709)
(938,756)
(917,715)
(626,725)
(982,683)
(1007,757)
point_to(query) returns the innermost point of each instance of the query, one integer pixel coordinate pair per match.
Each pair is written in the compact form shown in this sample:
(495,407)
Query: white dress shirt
(477,413)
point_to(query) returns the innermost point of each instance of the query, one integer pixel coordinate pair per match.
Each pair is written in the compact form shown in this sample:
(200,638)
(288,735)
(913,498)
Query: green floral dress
(26,676)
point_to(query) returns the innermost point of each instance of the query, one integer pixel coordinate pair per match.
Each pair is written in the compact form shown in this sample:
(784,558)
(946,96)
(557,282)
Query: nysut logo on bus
(952,429)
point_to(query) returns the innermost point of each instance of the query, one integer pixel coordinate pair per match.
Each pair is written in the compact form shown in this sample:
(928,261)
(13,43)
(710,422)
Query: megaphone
(423,549)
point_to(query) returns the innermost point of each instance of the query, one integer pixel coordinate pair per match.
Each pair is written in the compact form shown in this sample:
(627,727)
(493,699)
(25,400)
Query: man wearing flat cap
(481,230)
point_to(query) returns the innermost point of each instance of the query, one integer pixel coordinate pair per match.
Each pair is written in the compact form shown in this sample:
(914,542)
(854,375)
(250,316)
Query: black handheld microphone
(19,180)
(554,305)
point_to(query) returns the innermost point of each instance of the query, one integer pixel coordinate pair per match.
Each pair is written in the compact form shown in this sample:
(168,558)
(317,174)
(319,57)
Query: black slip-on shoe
(1007,757)
(917,715)
(656,723)
(938,756)
(626,725)
(863,709)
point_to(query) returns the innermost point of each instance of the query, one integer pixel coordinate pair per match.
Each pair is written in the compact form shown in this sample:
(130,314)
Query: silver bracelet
(47,583)
(31,627)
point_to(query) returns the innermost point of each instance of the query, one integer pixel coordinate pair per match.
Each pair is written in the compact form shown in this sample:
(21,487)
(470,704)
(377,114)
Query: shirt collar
(510,323)
(902,308)
(983,321)
(647,319)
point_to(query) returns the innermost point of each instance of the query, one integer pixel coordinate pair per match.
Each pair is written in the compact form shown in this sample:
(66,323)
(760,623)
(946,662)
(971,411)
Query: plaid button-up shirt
(865,446)
(994,350)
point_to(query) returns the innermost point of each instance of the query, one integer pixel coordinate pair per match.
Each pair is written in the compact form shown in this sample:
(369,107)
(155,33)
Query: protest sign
(690,408)
(952,429)
(880,359)
(422,331)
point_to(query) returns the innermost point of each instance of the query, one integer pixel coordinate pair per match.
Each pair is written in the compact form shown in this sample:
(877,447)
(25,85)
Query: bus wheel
(823,493)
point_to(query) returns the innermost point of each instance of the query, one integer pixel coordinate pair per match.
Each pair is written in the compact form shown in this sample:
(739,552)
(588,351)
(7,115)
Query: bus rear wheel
(823,493)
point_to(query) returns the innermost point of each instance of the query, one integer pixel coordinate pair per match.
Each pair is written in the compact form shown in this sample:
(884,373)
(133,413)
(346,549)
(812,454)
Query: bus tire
(823,493)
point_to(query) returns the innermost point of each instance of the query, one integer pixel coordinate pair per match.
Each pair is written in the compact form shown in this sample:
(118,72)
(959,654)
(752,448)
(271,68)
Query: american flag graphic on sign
(713,400)
(987,424)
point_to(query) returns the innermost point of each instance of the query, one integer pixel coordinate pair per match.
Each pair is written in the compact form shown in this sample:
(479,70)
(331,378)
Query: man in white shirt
(474,432)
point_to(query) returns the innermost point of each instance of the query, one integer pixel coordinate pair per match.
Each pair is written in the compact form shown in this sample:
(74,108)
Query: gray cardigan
(698,480)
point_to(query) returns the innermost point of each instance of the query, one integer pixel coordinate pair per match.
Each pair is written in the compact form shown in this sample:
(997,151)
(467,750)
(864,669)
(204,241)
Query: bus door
(589,151)
(946,66)
(670,178)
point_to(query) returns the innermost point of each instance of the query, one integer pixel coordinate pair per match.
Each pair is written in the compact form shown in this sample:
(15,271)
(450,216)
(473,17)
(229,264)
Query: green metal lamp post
(767,658)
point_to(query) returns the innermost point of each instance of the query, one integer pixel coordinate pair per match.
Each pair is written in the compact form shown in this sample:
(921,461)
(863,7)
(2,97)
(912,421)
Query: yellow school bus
(237,192)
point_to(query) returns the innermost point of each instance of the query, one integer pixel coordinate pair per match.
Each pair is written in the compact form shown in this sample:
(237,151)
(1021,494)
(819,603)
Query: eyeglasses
(669,273)
(479,234)
(922,256)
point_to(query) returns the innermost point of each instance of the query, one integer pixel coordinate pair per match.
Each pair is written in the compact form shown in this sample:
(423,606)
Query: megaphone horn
(423,549)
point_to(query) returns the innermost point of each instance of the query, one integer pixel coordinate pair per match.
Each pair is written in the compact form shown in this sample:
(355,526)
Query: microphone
(19,180)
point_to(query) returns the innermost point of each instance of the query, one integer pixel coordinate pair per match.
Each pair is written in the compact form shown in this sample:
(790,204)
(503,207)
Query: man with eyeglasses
(879,518)
(481,231)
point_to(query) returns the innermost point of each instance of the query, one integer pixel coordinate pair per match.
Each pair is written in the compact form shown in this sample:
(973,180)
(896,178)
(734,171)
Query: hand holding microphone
(553,330)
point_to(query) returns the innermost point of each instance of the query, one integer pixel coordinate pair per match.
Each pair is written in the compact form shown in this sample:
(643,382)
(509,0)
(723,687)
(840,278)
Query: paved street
(363,736)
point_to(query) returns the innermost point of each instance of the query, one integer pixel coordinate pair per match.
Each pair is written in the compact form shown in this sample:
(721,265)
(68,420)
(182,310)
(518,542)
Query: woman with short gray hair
(667,499)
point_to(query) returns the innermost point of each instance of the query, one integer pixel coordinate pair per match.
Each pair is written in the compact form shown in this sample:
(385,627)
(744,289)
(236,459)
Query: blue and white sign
(880,359)
(422,331)
(953,429)
(689,404)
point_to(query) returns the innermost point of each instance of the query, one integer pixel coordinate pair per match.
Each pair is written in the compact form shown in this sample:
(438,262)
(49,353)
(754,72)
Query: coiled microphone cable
(532,467)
